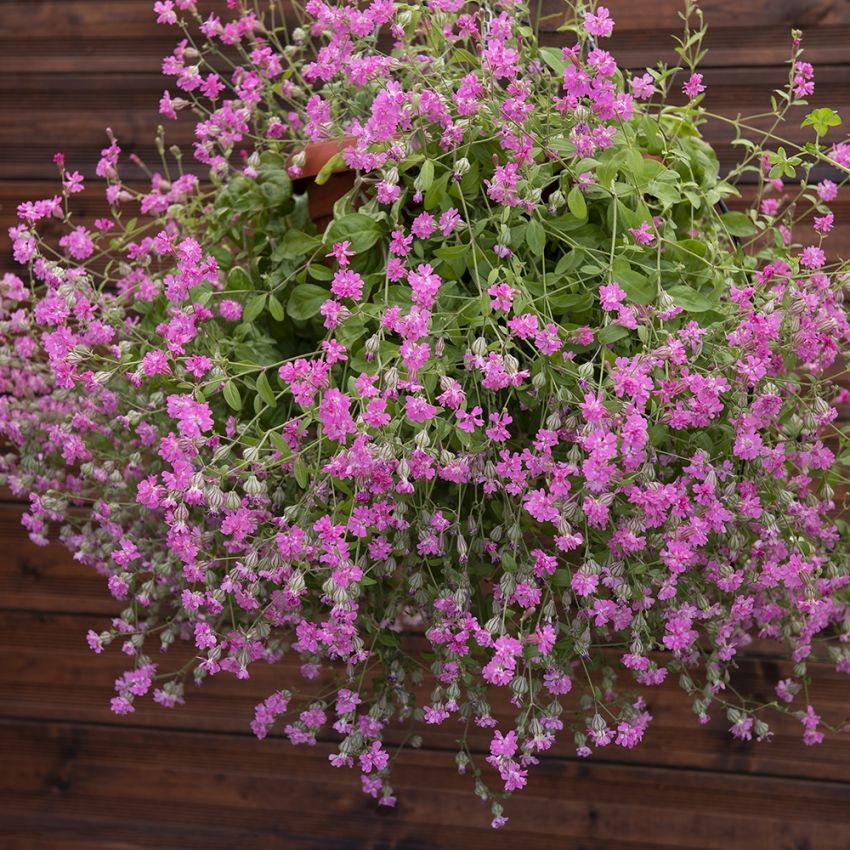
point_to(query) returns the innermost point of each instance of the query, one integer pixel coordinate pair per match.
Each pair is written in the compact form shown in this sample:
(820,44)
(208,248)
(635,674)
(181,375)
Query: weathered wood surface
(131,788)
(75,777)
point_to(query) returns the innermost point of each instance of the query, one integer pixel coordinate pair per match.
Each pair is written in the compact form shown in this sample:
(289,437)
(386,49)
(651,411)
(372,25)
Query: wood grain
(42,654)
(233,790)
(76,777)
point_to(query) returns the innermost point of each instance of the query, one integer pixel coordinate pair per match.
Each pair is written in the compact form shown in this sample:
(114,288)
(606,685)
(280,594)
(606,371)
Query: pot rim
(318,154)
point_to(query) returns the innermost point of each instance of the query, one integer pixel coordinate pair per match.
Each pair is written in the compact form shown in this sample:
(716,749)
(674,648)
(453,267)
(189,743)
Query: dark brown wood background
(75,777)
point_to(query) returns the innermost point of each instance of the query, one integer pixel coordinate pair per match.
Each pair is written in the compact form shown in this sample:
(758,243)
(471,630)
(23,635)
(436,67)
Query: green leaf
(264,388)
(335,163)
(738,224)
(300,471)
(535,237)
(576,203)
(426,175)
(665,186)
(783,165)
(305,301)
(436,194)
(280,444)
(254,307)
(350,331)
(637,286)
(320,272)
(569,261)
(232,396)
(634,164)
(822,119)
(554,58)
(654,139)
(358,229)
(276,308)
(561,577)
(611,333)
(238,279)
(276,187)
(690,300)
(295,244)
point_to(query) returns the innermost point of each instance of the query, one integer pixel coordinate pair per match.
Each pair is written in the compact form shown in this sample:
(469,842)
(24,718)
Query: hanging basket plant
(520,383)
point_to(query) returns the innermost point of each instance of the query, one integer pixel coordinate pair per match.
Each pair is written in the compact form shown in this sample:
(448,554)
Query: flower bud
(461,166)
(391,378)
(556,200)
(598,724)
(254,487)
(221,454)
(519,685)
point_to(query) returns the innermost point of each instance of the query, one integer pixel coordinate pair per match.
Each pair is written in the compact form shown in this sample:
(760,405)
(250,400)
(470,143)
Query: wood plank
(55,35)
(86,206)
(71,113)
(47,673)
(46,578)
(112,779)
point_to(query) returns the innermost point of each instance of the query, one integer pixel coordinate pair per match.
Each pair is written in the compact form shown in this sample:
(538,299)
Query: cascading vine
(535,392)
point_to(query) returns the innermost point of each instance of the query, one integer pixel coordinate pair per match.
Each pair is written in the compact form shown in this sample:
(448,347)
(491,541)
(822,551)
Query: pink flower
(165,12)
(583,335)
(501,296)
(642,234)
(770,206)
(693,86)
(827,190)
(73,183)
(498,430)
(812,257)
(169,105)
(450,220)
(600,25)
(194,417)
(387,193)
(155,363)
(804,79)
(197,365)
(347,284)
(335,415)
(503,745)
(78,243)
(541,505)
(643,87)
(469,421)
(400,245)
(417,409)
(824,223)
(810,722)
(611,296)
(230,309)
(423,225)
(583,584)
(342,253)
(425,285)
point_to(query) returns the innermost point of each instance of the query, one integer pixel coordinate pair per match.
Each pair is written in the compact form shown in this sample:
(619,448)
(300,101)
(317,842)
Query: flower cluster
(535,396)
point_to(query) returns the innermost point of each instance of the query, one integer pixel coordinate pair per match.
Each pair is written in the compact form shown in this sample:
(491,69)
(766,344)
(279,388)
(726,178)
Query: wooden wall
(75,777)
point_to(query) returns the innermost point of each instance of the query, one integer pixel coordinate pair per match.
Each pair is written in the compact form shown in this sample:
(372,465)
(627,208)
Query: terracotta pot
(321,199)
